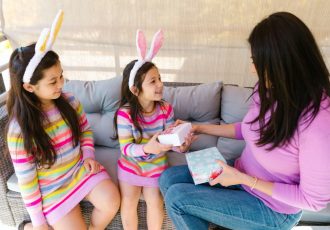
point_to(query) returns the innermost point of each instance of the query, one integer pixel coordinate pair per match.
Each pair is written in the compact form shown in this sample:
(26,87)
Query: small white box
(175,136)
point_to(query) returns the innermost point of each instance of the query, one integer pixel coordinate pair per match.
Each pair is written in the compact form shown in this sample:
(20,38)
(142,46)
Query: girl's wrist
(145,150)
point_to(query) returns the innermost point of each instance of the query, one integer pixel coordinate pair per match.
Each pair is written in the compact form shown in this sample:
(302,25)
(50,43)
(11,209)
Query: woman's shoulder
(320,125)
(323,115)
(325,103)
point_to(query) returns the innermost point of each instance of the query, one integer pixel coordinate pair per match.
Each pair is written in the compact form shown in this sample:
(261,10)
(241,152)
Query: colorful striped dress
(135,167)
(49,194)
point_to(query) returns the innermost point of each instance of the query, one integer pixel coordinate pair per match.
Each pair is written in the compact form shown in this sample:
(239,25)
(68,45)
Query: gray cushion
(235,103)
(230,148)
(175,158)
(322,216)
(108,157)
(12,183)
(199,103)
(100,101)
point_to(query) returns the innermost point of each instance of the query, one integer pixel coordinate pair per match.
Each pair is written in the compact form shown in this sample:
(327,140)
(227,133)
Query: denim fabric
(193,207)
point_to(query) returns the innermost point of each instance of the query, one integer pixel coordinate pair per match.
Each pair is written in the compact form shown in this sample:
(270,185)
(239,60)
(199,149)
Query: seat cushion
(322,216)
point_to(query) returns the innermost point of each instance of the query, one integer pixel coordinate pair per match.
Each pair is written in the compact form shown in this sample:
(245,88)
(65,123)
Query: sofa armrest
(6,169)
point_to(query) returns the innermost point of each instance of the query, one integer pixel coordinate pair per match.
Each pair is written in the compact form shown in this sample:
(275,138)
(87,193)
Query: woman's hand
(154,147)
(92,165)
(188,141)
(179,122)
(228,176)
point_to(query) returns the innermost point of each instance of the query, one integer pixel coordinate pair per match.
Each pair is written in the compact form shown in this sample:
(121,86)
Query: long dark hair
(293,77)
(25,107)
(128,99)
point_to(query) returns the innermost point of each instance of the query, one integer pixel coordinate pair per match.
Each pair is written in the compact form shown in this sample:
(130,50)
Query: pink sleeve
(313,191)
(86,138)
(170,116)
(26,172)
(238,131)
(125,136)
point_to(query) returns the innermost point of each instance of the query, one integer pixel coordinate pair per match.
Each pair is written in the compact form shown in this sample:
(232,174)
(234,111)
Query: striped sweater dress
(135,167)
(49,194)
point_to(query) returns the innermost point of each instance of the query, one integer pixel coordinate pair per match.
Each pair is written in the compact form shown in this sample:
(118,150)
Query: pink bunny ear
(141,44)
(157,42)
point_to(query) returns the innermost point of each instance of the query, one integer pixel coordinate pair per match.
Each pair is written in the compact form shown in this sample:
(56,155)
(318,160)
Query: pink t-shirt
(299,170)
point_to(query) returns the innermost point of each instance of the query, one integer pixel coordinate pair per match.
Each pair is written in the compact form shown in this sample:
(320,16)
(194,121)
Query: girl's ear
(134,90)
(28,87)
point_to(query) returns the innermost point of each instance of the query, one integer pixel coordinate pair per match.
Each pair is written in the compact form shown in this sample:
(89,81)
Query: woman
(284,166)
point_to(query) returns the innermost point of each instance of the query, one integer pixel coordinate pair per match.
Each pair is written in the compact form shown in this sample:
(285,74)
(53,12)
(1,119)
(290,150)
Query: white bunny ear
(42,41)
(44,44)
(157,42)
(56,26)
(141,44)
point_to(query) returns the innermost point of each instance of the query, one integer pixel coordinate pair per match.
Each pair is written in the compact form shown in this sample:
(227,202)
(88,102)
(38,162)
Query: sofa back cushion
(198,104)
(235,103)
(195,103)
(100,101)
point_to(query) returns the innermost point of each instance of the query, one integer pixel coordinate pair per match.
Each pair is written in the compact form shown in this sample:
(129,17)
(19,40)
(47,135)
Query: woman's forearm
(226,130)
(257,184)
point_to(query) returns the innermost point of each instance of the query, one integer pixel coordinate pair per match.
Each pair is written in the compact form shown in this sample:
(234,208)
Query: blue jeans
(194,207)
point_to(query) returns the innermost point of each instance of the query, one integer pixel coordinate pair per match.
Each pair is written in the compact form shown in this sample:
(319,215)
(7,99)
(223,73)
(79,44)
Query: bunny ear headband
(44,44)
(141,46)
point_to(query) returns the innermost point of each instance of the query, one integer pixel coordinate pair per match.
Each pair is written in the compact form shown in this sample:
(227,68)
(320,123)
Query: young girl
(141,116)
(51,144)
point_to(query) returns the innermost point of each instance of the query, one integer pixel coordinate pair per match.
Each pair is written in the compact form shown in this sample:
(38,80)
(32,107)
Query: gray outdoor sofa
(207,103)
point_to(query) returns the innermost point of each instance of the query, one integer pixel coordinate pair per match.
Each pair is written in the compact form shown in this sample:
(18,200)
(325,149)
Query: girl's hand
(154,147)
(228,176)
(92,165)
(188,140)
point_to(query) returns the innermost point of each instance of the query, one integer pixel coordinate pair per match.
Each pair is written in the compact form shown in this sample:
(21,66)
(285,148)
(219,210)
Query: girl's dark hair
(293,77)
(128,99)
(25,107)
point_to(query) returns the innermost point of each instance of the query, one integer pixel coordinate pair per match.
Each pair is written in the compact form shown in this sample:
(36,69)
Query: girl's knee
(106,198)
(154,200)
